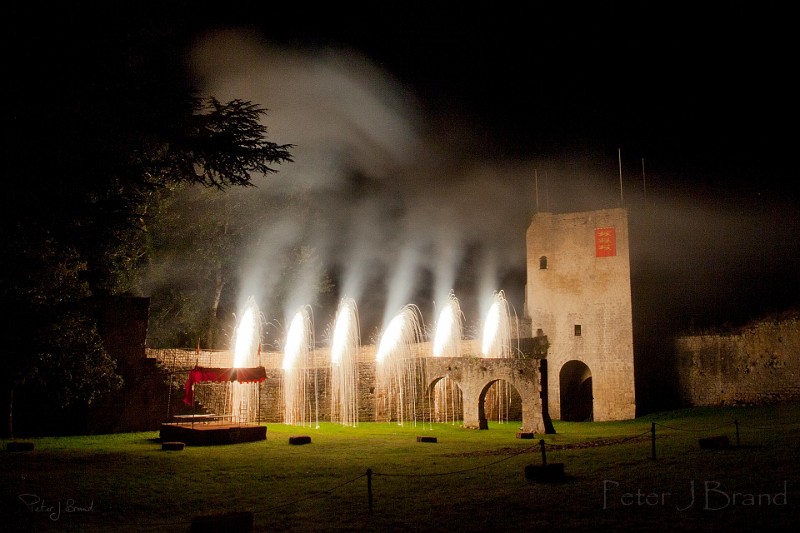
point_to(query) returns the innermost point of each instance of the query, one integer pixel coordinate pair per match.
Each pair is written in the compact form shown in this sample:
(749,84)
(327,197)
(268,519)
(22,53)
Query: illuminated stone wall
(471,374)
(759,365)
(578,294)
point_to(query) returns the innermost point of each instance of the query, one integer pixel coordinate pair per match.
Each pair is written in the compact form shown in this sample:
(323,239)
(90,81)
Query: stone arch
(446,400)
(576,396)
(474,375)
(496,386)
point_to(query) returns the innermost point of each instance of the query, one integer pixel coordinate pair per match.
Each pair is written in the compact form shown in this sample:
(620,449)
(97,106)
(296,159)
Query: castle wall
(473,377)
(578,277)
(759,365)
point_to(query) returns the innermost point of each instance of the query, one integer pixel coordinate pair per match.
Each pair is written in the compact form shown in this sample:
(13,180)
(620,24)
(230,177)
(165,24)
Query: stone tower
(578,294)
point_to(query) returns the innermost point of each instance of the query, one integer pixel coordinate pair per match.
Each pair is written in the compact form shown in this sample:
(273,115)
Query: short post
(736,422)
(653,432)
(545,473)
(369,488)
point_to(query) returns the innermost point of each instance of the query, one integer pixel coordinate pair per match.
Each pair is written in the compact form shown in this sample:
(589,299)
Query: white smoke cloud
(404,205)
(391,198)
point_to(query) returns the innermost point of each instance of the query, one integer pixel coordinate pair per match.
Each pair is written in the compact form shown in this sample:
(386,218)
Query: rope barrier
(459,471)
(699,430)
(312,496)
(766,428)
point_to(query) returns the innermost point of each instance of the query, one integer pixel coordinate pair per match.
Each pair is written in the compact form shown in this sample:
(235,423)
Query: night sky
(494,108)
(700,89)
(425,137)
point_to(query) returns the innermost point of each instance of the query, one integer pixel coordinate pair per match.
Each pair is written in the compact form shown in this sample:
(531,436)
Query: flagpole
(547,192)
(619,155)
(644,182)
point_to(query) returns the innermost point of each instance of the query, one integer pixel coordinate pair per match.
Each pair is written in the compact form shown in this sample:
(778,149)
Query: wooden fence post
(653,432)
(544,455)
(369,488)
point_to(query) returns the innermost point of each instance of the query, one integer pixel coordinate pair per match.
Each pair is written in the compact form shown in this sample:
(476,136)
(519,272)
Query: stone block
(548,473)
(714,443)
(19,446)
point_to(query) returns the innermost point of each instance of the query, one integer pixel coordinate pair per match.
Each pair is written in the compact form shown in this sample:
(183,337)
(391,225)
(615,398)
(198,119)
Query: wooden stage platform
(212,433)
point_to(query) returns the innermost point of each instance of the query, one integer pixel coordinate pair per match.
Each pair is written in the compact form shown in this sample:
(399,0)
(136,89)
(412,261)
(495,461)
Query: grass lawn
(468,480)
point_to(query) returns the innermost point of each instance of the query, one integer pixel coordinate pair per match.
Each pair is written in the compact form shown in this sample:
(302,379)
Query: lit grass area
(468,480)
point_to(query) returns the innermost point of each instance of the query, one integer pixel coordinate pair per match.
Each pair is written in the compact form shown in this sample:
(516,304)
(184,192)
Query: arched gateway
(474,375)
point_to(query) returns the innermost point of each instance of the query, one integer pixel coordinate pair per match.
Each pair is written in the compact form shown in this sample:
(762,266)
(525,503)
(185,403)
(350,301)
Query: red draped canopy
(242,375)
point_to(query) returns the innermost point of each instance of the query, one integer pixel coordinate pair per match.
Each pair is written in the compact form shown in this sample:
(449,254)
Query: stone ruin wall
(371,400)
(757,366)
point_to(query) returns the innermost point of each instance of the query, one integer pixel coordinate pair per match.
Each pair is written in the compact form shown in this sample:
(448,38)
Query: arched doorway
(575,384)
(499,402)
(446,401)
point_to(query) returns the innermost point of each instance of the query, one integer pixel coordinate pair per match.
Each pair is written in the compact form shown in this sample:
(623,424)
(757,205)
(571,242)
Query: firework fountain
(397,369)
(447,402)
(345,346)
(297,366)
(447,340)
(243,397)
(496,342)
(400,365)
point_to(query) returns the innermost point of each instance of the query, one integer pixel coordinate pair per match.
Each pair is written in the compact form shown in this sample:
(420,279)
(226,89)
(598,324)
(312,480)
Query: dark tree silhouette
(103,119)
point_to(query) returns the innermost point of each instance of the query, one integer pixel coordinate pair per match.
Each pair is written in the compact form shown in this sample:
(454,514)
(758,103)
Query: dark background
(694,105)
(696,100)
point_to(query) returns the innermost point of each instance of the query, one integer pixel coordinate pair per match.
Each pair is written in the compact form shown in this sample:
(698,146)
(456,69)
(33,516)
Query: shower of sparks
(497,329)
(297,356)
(447,340)
(248,336)
(296,341)
(345,347)
(447,399)
(497,343)
(243,397)
(398,372)
(345,332)
(400,335)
